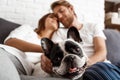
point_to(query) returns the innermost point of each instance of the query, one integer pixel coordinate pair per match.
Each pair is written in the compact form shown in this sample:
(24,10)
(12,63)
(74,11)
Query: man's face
(64,14)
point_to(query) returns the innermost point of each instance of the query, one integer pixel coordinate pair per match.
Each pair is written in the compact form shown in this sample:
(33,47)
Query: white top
(26,33)
(87,33)
(28,66)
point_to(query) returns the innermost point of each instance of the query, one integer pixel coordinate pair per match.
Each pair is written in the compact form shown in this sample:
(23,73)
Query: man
(93,39)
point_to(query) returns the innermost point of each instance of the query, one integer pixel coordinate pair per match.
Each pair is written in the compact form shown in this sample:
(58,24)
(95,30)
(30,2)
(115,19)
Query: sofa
(112,44)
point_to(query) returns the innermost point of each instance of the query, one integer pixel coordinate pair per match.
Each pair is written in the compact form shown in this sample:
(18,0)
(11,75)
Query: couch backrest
(113,45)
(5,28)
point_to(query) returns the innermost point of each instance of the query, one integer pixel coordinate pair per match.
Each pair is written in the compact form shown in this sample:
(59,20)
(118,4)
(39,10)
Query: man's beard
(68,22)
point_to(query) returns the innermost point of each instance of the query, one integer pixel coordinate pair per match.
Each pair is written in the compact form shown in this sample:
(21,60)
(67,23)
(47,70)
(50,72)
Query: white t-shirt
(87,33)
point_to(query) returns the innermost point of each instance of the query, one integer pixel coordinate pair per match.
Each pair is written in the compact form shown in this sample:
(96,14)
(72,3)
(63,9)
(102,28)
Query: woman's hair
(41,23)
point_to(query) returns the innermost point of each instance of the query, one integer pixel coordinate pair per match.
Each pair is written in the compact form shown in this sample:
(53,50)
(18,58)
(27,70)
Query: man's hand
(46,64)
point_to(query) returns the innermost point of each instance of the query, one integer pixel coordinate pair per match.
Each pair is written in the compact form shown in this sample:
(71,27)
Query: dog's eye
(78,49)
(57,59)
(75,49)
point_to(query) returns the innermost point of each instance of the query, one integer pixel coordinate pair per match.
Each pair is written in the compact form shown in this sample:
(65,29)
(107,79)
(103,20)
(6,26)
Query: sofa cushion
(5,28)
(7,68)
(113,45)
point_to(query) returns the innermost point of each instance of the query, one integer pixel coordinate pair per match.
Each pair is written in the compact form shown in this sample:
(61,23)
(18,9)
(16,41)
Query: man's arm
(23,45)
(100,51)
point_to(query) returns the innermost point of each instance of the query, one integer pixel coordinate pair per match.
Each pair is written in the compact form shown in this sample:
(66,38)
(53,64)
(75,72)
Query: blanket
(27,59)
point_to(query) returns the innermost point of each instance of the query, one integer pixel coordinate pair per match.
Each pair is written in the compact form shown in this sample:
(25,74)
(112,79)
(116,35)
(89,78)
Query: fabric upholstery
(5,28)
(7,68)
(113,45)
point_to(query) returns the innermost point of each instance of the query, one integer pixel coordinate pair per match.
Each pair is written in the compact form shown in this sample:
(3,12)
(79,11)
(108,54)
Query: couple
(92,36)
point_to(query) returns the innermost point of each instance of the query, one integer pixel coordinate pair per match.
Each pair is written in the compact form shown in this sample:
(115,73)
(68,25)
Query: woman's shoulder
(20,32)
(24,27)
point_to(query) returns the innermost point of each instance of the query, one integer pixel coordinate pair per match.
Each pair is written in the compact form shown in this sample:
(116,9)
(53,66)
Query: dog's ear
(46,45)
(74,34)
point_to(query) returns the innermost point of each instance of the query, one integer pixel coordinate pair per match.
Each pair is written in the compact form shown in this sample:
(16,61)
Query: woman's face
(51,22)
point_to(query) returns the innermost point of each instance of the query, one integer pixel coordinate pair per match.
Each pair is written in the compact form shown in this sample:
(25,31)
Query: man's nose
(55,18)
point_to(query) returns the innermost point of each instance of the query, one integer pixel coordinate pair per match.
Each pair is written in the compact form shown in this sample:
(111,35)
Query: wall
(116,1)
(29,11)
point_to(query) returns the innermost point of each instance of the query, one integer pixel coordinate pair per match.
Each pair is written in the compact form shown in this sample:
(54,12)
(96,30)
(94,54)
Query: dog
(68,57)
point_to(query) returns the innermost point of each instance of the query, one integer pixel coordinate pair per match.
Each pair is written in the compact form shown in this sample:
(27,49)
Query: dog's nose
(69,58)
(70,61)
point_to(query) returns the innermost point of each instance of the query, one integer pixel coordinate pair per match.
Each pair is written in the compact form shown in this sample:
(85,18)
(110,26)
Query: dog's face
(67,57)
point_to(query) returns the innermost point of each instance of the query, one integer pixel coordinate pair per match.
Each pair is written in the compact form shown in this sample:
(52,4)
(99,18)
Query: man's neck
(77,24)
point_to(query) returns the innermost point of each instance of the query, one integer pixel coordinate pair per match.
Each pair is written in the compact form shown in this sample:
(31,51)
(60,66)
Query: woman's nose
(59,16)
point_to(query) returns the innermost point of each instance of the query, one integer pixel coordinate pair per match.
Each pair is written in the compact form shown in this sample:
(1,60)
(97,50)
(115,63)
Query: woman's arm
(100,51)
(23,45)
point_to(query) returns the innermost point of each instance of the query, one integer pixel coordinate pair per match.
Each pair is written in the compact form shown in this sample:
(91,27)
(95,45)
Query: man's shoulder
(89,24)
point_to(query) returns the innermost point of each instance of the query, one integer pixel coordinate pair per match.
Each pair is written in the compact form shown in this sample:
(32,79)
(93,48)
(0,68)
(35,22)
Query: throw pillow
(113,45)
(5,28)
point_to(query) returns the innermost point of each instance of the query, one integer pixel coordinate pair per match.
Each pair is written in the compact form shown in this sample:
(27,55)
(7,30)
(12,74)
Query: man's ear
(71,7)
(46,45)
(74,34)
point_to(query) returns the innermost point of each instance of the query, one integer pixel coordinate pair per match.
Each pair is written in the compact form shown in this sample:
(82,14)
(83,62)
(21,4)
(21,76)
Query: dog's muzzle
(71,66)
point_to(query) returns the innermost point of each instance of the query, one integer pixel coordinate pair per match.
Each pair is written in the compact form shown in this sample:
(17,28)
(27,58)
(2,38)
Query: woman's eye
(51,16)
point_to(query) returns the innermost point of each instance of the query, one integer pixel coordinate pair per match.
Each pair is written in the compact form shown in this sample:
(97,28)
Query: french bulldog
(68,57)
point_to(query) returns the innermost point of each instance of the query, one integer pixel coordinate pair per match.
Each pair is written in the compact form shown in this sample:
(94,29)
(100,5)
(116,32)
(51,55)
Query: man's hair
(60,3)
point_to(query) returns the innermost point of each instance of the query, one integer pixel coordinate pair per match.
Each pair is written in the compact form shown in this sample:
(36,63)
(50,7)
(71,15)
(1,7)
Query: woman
(47,25)
(26,39)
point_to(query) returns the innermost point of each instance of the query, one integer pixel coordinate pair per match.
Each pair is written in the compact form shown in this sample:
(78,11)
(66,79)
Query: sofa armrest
(113,45)
(7,69)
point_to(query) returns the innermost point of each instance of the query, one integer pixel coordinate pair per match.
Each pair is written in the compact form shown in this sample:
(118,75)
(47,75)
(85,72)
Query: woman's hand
(46,64)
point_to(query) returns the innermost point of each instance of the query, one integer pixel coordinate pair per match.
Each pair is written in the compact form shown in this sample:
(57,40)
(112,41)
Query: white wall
(29,11)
